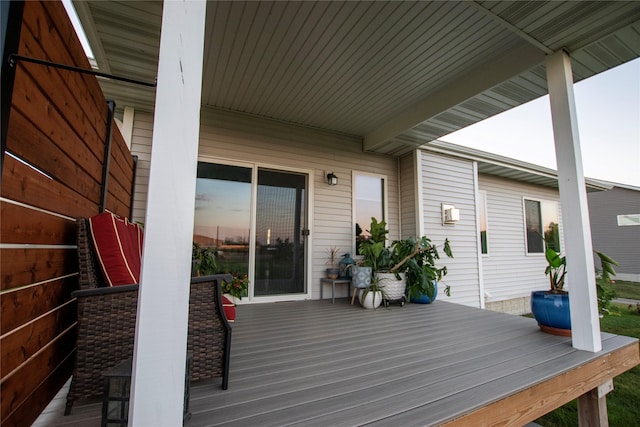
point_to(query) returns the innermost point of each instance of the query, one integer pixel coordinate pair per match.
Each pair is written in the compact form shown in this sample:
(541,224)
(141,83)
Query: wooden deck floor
(314,363)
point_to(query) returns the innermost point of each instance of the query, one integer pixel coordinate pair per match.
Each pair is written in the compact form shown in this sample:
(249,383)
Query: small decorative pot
(332,273)
(360,277)
(552,312)
(372,300)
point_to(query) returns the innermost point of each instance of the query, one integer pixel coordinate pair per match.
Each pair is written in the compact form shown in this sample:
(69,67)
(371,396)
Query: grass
(622,402)
(626,289)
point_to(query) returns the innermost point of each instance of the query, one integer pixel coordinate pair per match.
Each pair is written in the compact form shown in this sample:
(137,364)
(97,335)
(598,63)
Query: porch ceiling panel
(396,74)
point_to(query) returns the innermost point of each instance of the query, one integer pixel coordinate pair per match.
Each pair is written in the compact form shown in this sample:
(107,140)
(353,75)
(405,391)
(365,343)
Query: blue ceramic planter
(424,299)
(551,310)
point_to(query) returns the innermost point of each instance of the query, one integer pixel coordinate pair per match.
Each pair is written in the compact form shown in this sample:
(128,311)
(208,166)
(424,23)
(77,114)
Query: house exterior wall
(621,243)
(232,137)
(509,273)
(450,180)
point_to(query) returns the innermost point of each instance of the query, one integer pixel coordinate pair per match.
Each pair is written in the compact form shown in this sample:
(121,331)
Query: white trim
(478,239)
(419,196)
(128,119)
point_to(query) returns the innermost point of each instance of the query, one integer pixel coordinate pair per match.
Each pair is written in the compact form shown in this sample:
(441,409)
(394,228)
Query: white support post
(160,352)
(585,323)
(127,125)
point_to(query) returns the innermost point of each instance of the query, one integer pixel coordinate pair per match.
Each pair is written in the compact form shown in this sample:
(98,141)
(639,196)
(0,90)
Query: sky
(608,110)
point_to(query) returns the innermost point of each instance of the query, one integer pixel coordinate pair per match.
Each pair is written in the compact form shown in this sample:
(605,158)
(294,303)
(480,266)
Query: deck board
(314,363)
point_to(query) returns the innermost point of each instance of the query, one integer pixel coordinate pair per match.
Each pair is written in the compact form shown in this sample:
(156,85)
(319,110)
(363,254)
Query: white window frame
(524,222)
(385,203)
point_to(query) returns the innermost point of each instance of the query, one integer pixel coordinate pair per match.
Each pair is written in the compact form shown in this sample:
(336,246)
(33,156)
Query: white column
(160,351)
(585,322)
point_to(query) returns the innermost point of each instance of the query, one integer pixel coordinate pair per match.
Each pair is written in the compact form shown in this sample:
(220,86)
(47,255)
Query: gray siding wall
(508,272)
(227,136)
(622,243)
(408,196)
(450,181)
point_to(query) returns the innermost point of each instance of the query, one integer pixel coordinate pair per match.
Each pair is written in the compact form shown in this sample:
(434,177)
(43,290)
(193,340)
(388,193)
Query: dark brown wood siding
(52,173)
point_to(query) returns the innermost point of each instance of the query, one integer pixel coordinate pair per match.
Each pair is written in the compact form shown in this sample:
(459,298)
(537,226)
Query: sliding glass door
(280,225)
(255,219)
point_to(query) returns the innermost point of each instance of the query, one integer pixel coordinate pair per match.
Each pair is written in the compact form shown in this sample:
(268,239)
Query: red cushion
(118,245)
(229,309)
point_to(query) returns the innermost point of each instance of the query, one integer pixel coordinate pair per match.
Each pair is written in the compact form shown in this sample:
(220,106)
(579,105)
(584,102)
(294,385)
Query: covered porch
(314,363)
(386,77)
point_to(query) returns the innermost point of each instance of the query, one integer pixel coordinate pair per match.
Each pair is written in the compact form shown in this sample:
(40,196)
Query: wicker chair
(107,318)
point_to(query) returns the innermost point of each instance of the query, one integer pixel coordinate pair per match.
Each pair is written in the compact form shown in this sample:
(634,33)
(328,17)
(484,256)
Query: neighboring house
(615,227)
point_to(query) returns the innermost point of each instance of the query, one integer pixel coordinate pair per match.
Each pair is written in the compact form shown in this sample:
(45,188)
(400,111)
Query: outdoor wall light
(332,179)
(450,215)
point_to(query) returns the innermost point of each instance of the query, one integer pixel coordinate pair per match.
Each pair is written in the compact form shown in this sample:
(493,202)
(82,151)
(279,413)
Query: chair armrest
(216,277)
(83,293)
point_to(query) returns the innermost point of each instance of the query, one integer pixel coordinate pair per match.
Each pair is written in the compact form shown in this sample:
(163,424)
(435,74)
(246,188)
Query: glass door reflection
(222,217)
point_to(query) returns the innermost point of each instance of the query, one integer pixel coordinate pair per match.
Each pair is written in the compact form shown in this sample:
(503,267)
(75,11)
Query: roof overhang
(395,74)
(504,167)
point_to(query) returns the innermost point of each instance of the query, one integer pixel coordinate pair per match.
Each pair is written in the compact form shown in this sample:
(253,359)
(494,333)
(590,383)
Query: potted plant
(379,258)
(550,307)
(420,268)
(373,295)
(407,263)
(237,287)
(332,260)
(203,260)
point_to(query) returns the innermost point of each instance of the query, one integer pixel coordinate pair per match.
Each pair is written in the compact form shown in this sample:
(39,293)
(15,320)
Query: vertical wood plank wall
(57,124)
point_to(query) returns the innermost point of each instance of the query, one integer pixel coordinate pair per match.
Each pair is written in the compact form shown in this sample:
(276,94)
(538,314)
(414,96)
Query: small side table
(333,283)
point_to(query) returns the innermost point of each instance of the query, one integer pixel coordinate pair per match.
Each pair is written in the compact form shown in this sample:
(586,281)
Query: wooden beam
(534,402)
(592,410)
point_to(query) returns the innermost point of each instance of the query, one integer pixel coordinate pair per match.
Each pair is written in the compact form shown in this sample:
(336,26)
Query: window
(482,216)
(369,201)
(541,217)
(625,220)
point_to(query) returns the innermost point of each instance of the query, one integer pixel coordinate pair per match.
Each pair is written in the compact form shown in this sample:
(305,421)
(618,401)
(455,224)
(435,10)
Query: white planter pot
(393,288)
(372,300)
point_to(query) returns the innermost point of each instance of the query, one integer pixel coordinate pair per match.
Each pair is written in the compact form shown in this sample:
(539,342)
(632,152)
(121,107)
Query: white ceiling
(397,74)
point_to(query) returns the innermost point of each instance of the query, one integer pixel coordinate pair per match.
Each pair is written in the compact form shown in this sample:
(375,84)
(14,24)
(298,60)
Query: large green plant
(417,259)
(373,250)
(557,270)
(414,257)
(204,260)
